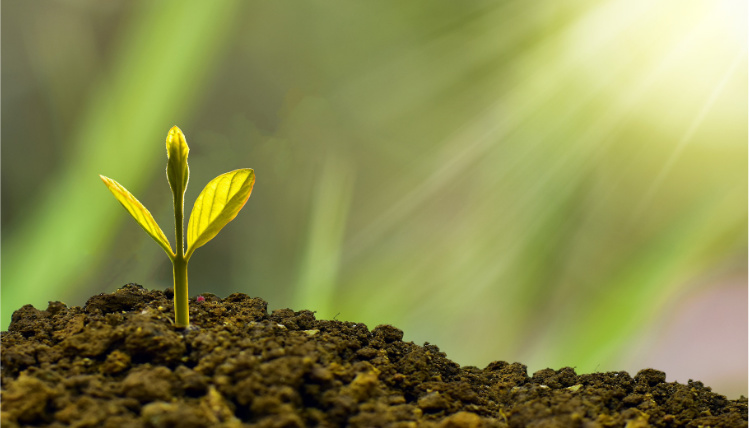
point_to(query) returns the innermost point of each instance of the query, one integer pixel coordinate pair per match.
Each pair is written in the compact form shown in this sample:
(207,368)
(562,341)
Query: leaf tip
(176,143)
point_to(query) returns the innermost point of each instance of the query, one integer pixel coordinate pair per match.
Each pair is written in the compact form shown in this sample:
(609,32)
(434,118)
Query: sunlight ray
(694,125)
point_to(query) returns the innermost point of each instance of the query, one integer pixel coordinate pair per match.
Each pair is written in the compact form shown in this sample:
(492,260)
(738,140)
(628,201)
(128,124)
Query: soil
(120,362)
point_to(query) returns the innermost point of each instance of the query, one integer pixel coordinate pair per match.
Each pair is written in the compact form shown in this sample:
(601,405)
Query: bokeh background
(554,183)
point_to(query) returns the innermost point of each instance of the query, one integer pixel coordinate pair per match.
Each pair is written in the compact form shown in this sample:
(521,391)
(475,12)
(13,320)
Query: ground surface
(119,362)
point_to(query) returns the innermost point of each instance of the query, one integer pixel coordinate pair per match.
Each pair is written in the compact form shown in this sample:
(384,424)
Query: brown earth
(119,362)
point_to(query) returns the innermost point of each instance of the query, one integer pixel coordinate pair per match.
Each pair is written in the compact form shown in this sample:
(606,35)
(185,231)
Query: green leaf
(217,205)
(139,213)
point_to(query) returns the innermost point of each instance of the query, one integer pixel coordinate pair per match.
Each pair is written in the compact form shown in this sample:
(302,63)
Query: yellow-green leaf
(139,213)
(217,205)
(177,170)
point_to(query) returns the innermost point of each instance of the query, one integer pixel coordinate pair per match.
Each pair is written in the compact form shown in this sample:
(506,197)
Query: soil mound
(120,362)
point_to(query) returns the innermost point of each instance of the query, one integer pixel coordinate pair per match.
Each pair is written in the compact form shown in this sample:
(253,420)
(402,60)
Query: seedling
(216,206)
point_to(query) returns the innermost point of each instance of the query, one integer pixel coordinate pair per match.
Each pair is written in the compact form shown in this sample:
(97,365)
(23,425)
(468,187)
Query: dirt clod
(120,362)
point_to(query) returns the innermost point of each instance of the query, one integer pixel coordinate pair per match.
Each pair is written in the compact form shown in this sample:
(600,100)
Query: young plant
(216,206)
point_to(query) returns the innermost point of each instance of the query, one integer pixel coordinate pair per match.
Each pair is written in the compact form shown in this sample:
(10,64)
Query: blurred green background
(554,183)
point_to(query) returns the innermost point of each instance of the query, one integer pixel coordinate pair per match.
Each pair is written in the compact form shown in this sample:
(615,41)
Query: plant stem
(181,309)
